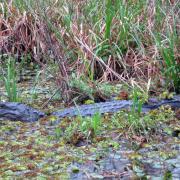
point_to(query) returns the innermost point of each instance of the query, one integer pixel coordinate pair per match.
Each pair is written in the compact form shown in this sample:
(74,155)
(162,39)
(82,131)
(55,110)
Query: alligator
(114,106)
(21,112)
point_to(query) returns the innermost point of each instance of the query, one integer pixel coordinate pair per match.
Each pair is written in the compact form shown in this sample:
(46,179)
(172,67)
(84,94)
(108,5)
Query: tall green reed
(10,81)
(109,18)
(171,68)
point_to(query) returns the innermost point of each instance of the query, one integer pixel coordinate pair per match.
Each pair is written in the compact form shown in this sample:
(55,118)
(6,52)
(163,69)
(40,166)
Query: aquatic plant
(142,124)
(10,81)
(93,123)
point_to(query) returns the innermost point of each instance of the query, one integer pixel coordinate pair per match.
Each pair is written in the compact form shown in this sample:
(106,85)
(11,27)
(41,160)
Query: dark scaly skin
(113,106)
(21,112)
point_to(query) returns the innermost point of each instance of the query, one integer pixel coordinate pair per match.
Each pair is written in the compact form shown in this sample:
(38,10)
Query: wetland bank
(89,90)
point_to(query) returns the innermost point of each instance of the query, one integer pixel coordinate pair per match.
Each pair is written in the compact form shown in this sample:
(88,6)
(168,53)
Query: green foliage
(139,97)
(168,43)
(166,95)
(172,68)
(89,127)
(82,85)
(142,124)
(137,103)
(10,81)
(58,132)
(91,123)
(109,18)
(71,130)
(167,175)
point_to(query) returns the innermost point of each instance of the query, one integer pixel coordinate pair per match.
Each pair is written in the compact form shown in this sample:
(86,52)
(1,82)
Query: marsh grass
(91,124)
(110,12)
(100,40)
(171,68)
(134,123)
(10,81)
